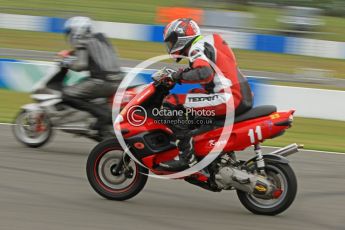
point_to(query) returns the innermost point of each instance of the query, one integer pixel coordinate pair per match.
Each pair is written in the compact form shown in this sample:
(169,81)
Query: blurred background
(293,53)
(289,43)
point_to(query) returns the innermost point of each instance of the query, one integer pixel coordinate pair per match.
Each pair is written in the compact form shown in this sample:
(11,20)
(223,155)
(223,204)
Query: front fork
(122,167)
(35,122)
(40,126)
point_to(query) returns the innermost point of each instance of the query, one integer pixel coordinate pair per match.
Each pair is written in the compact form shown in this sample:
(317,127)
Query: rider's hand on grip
(67,61)
(163,75)
(65,53)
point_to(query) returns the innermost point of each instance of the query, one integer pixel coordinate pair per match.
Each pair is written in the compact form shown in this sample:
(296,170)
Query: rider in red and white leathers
(182,37)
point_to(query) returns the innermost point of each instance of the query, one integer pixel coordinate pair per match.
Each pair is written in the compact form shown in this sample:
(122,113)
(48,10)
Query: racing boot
(103,127)
(185,159)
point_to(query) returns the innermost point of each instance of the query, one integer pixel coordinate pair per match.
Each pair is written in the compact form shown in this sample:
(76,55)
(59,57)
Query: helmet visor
(169,45)
(170,41)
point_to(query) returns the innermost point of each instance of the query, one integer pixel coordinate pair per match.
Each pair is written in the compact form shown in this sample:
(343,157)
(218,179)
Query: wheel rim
(27,128)
(280,181)
(104,171)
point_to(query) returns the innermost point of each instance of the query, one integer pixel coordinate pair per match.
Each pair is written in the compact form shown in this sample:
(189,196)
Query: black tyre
(32,128)
(284,178)
(100,172)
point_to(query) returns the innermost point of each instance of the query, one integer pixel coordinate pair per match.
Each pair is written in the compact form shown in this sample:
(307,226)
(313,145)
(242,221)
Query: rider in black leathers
(94,53)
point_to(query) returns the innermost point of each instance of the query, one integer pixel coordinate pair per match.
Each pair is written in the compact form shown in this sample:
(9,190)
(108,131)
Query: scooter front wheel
(110,181)
(32,128)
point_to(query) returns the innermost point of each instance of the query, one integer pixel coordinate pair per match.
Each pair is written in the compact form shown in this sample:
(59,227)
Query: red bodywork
(270,126)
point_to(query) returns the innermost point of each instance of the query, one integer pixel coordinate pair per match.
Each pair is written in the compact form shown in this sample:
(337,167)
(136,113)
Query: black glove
(177,76)
(67,61)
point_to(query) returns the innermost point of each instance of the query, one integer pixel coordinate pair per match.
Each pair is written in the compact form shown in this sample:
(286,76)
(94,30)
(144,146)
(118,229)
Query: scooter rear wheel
(284,178)
(100,169)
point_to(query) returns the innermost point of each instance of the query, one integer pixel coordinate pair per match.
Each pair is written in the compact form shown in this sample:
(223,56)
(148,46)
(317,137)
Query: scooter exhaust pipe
(288,150)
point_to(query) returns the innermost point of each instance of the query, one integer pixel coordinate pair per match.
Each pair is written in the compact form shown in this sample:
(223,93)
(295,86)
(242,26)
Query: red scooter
(265,184)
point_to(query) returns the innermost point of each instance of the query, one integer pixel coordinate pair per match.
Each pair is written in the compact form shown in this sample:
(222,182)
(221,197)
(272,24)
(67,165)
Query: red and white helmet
(179,33)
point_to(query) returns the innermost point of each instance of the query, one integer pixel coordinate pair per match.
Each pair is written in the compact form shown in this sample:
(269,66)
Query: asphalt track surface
(47,188)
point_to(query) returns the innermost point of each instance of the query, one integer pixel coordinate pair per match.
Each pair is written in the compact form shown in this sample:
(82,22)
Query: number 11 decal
(252,135)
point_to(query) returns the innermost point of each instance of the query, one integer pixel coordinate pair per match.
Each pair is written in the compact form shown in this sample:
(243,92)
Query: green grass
(280,63)
(333,29)
(19,39)
(313,133)
(266,18)
(10,104)
(286,63)
(132,11)
(144,11)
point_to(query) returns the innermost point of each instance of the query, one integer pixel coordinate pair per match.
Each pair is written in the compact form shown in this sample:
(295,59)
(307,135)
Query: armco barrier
(153,33)
(24,75)
(314,103)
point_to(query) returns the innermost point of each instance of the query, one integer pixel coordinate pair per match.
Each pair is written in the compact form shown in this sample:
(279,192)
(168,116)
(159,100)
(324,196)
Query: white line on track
(308,150)
(6,124)
(302,150)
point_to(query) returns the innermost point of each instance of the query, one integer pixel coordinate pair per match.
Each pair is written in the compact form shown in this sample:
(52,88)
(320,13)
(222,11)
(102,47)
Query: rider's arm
(200,71)
(81,61)
(202,75)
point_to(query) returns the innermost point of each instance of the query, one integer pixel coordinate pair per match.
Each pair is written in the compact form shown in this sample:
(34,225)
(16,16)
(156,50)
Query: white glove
(163,73)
